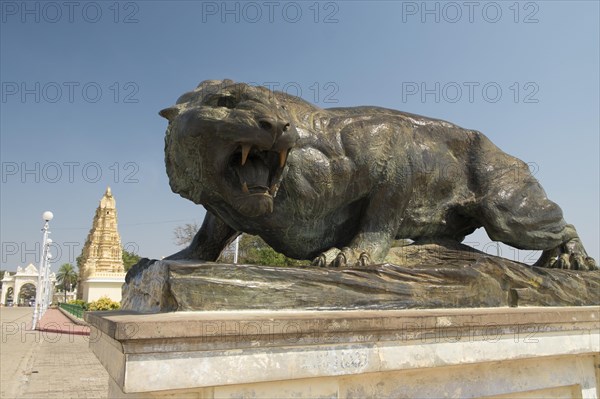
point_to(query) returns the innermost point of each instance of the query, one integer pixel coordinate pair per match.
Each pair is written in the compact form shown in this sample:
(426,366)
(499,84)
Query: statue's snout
(283,132)
(275,127)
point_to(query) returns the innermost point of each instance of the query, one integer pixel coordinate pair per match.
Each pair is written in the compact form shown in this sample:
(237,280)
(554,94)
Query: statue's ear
(169,113)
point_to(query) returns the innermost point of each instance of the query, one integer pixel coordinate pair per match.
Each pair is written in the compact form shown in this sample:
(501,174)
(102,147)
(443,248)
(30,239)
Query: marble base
(103,285)
(454,353)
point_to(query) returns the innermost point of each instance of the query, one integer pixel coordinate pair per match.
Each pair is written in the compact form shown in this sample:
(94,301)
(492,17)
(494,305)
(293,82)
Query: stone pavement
(55,321)
(47,364)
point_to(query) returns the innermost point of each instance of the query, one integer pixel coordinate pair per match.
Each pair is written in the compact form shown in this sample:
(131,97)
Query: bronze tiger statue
(338,185)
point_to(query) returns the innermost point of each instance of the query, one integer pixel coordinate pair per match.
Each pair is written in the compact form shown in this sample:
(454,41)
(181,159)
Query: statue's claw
(591,263)
(319,261)
(346,257)
(340,260)
(364,260)
(326,258)
(568,256)
(562,262)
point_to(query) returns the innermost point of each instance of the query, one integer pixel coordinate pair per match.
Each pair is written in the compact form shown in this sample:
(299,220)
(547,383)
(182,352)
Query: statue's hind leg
(517,212)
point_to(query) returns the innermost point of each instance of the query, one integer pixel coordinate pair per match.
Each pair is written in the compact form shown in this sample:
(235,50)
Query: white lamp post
(37,313)
(47,288)
(236,249)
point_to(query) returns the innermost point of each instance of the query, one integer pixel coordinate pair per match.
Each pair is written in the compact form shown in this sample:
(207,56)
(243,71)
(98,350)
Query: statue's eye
(226,101)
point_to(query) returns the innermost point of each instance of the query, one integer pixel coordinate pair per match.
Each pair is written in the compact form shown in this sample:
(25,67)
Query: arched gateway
(21,285)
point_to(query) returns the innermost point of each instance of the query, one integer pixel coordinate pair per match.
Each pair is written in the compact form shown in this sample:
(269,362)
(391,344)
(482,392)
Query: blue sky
(81,89)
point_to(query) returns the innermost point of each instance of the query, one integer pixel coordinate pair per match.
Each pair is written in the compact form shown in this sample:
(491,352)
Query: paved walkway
(47,364)
(55,321)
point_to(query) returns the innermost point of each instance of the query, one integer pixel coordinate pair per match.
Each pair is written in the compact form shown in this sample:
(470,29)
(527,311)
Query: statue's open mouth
(259,172)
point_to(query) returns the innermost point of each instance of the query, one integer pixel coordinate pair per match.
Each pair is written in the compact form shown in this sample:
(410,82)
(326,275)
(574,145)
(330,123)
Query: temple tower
(101,271)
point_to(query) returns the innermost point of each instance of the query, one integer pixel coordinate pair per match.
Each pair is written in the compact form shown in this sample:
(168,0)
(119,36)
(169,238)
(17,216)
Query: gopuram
(101,272)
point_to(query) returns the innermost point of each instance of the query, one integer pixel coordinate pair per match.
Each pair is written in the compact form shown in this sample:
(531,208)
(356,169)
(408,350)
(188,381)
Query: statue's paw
(575,262)
(341,258)
(326,258)
(572,256)
(319,261)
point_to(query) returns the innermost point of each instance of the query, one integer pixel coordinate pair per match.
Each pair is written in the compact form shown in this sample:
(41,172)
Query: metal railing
(75,310)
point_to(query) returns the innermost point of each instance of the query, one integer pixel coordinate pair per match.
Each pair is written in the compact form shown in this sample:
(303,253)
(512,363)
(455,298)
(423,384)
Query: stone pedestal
(427,276)
(458,353)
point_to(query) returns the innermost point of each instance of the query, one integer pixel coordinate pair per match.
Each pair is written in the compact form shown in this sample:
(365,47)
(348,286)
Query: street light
(47,289)
(236,250)
(37,310)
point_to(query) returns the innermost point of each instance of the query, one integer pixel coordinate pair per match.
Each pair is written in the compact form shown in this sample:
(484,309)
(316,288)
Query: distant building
(20,287)
(101,271)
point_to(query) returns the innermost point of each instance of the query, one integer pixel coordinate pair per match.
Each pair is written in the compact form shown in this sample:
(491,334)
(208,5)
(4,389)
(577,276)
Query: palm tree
(66,276)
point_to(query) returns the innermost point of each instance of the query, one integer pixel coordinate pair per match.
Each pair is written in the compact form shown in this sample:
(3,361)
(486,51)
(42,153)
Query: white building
(14,286)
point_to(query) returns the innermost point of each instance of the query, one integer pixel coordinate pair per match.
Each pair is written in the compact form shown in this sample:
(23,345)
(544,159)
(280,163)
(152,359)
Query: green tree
(130,259)
(254,250)
(66,277)
(26,293)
